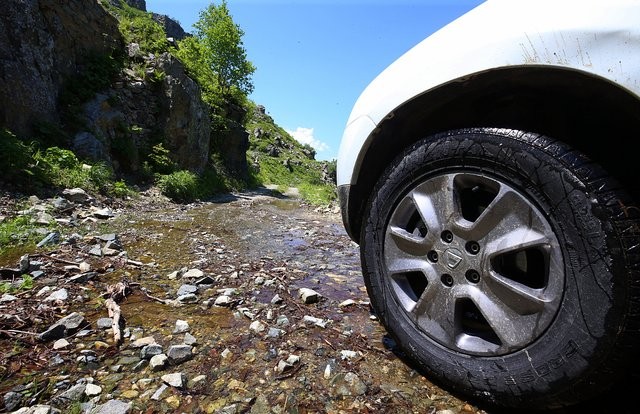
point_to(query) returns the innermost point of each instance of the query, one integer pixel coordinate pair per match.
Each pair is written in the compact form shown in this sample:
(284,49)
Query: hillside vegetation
(45,161)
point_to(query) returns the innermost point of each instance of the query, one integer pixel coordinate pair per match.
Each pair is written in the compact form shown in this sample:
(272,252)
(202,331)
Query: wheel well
(590,114)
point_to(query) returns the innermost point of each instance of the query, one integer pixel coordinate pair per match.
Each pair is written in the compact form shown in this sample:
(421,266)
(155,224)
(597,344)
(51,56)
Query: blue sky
(314,57)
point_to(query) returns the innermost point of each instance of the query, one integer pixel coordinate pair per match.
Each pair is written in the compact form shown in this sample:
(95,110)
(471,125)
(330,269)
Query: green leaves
(215,55)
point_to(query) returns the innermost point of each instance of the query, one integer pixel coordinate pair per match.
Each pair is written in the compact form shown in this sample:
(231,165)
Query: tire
(504,265)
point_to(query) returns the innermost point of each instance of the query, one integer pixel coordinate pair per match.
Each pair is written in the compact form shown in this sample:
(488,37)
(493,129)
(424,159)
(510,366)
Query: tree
(221,51)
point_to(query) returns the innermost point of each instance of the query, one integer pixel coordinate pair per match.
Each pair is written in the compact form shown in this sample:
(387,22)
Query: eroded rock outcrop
(42,44)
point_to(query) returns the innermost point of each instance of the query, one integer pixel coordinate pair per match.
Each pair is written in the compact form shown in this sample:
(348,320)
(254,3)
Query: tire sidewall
(581,334)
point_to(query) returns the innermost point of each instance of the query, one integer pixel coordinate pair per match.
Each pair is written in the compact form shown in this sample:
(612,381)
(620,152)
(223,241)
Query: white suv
(490,178)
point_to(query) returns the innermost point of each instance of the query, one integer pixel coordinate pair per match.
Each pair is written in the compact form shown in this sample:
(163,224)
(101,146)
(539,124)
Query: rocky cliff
(42,43)
(44,49)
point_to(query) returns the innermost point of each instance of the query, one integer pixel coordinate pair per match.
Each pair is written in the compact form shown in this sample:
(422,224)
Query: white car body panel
(588,36)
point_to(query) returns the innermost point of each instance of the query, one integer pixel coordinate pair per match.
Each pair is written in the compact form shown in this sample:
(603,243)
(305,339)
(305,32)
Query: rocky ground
(252,303)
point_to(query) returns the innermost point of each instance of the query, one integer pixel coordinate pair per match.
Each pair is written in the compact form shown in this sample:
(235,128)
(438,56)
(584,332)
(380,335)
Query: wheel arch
(589,113)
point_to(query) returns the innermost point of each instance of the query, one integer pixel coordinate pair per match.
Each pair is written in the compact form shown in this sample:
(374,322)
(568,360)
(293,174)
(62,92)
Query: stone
(60,344)
(193,274)
(181,326)
(113,407)
(92,390)
(187,289)
(179,353)
(176,379)
(158,362)
(60,294)
(139,343)
(104,323)
(151,350)
(308,296)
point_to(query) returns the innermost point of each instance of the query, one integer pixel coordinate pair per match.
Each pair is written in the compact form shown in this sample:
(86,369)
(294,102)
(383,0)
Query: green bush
(180,186)
(15,158)
(61,168)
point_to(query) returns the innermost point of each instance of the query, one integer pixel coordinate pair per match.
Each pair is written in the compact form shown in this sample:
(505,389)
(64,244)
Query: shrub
(180,186)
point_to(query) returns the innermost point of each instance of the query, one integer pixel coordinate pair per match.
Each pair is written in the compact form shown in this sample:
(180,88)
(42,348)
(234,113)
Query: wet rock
(315,321)
(179,353)
(308,296)
(348,384)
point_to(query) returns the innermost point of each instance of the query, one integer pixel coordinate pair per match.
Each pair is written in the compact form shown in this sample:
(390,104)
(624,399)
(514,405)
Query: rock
(181,326)
(176,380)
(151,350)
(179,353)
(188,298)
(7,298)
(113,407)
(73,394)
(60,344)
(189,339)
(193,274)
(139,343)
(187,289)
(316,321)
(58,295)
(51,238)
(257,327)
(64,327)
(76,195)
(276,299)
(346,303)
(158,394)
(222,300)
(103,213)
(308,295)
(158,362)
(348,384)
(104,323)
(346,354)
(12,400)
(92,390)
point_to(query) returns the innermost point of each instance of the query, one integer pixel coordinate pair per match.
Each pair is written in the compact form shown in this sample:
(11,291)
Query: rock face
(171,27)
(42,42)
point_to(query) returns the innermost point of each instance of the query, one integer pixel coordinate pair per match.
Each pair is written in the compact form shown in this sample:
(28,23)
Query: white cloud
(305,136)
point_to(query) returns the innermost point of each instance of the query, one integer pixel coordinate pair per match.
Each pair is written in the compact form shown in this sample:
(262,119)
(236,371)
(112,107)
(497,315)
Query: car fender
(598,38)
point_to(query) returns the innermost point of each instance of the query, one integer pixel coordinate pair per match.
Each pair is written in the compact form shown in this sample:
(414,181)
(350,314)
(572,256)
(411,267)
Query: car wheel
(504,264)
